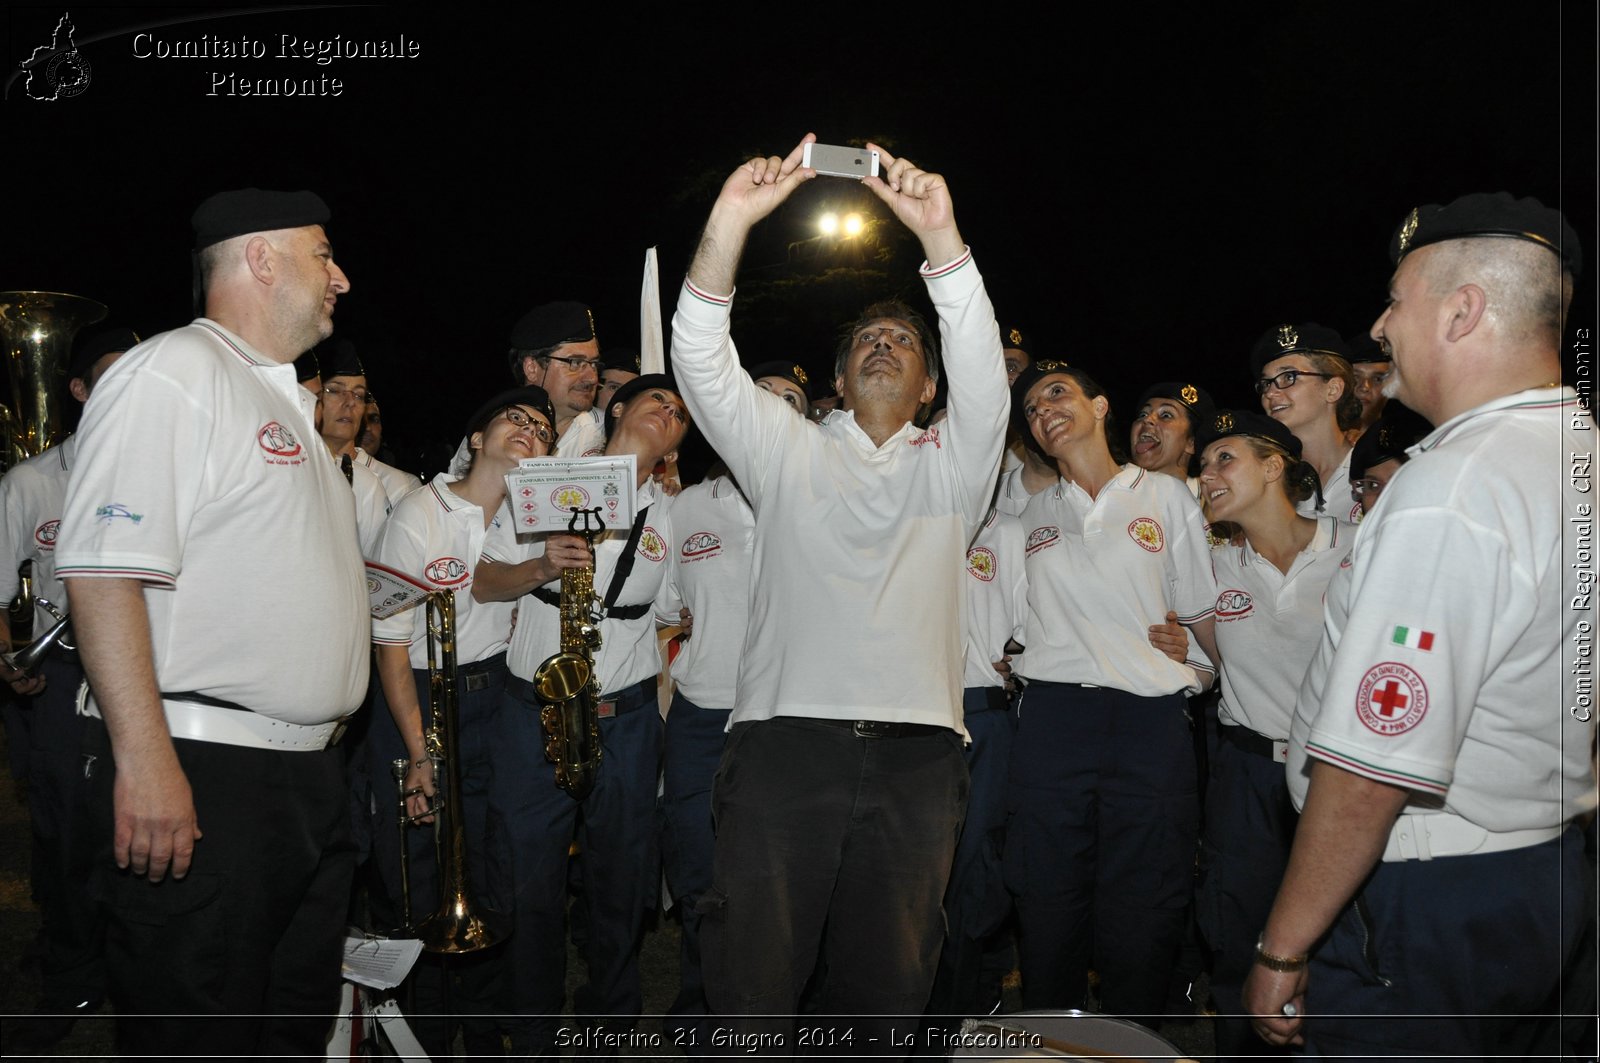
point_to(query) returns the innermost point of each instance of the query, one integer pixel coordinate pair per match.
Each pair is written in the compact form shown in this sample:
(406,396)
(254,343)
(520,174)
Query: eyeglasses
(540,426)
(1286,380)
(1363,487)
(576,365)
(339,391)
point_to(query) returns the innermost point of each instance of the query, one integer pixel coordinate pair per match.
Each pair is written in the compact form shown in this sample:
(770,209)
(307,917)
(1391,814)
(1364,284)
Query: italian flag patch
(1413,638)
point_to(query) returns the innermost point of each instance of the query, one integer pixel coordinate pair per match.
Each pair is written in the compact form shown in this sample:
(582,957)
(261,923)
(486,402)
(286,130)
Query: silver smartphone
(838,161)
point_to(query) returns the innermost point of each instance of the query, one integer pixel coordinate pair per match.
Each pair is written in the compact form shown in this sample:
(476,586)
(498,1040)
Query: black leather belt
(884,728)
(481,675)
(1248,740)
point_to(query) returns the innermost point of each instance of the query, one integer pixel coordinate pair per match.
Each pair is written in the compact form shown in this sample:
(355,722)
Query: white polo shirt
(585,436)
(859,549)
(1269,625)
(1012,497)
(31,496)
(397,483)
(714,530)
(1336,498)
(1451,640)
(200,472)
(628,650)
(435,535)
(1102,570)
(371,502)
(997,598)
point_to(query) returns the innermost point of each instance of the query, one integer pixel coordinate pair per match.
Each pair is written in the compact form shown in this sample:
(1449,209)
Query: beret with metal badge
(1308,338)
(1488,214)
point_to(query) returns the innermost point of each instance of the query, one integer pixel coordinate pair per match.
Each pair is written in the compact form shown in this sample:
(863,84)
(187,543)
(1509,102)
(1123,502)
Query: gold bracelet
(1286,964)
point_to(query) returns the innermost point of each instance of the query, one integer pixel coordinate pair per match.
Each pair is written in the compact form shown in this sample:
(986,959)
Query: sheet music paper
(544,491)
(381,963)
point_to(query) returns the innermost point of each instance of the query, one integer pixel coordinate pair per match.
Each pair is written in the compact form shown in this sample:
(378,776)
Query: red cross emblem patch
(1392,699)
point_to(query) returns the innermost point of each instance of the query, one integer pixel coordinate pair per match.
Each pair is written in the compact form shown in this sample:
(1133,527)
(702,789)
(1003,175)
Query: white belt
(1425,835)
(230,727)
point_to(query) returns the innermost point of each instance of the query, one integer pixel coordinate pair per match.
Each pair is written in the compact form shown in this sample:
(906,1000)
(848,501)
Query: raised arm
(749,194)
(921,201)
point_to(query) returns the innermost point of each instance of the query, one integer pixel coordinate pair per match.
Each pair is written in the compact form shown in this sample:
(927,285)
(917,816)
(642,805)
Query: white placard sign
(545,491)
(390,591)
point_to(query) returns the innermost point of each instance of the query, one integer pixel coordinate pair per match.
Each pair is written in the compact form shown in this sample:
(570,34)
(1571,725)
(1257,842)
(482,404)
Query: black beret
(254,210)
(306,367)
(1014,337)
(1387,439)
(634,387)
(339,358)
(551,325)
(95,346)
(534,398)
(1036,371)
(1492,214)
(789,371)
(623,358)
(1249,423)
(1191,397)
(1363,348)
(1309,338)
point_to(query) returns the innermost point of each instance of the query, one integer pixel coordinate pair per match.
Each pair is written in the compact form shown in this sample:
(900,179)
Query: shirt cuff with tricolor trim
(707,297)
(1407,776)
(929,272)
(144,575)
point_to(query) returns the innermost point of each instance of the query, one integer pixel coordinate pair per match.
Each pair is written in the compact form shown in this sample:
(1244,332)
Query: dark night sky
(1147,190)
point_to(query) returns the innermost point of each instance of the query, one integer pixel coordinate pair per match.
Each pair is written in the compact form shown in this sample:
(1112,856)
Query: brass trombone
(454,927)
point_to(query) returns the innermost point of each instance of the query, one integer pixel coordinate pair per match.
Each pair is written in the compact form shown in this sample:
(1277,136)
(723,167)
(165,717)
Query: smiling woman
(1304,378)
(1269,623)
(1110,550)
(435,536)
(1162,436)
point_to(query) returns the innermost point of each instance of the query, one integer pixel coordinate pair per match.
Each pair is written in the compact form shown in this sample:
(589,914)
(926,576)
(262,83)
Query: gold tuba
(455,927)
(37,329)
(566,683)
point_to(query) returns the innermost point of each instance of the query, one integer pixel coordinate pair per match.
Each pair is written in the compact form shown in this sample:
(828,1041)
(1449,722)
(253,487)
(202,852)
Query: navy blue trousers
(976,902)
(1100,846)
(1249,830)
(694,740)
(615,826)
(479,689)
(1456,957)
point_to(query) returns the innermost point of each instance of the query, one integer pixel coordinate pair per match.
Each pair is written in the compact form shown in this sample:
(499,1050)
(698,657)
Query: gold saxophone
(566,683)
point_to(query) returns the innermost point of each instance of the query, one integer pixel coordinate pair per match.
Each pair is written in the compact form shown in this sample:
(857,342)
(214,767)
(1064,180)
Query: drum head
(1058,1035)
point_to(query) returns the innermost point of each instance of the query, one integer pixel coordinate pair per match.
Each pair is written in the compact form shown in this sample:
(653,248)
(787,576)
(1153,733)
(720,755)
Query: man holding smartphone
(885,511)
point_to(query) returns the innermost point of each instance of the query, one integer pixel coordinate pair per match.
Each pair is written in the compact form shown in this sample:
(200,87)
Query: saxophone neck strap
(619,577)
